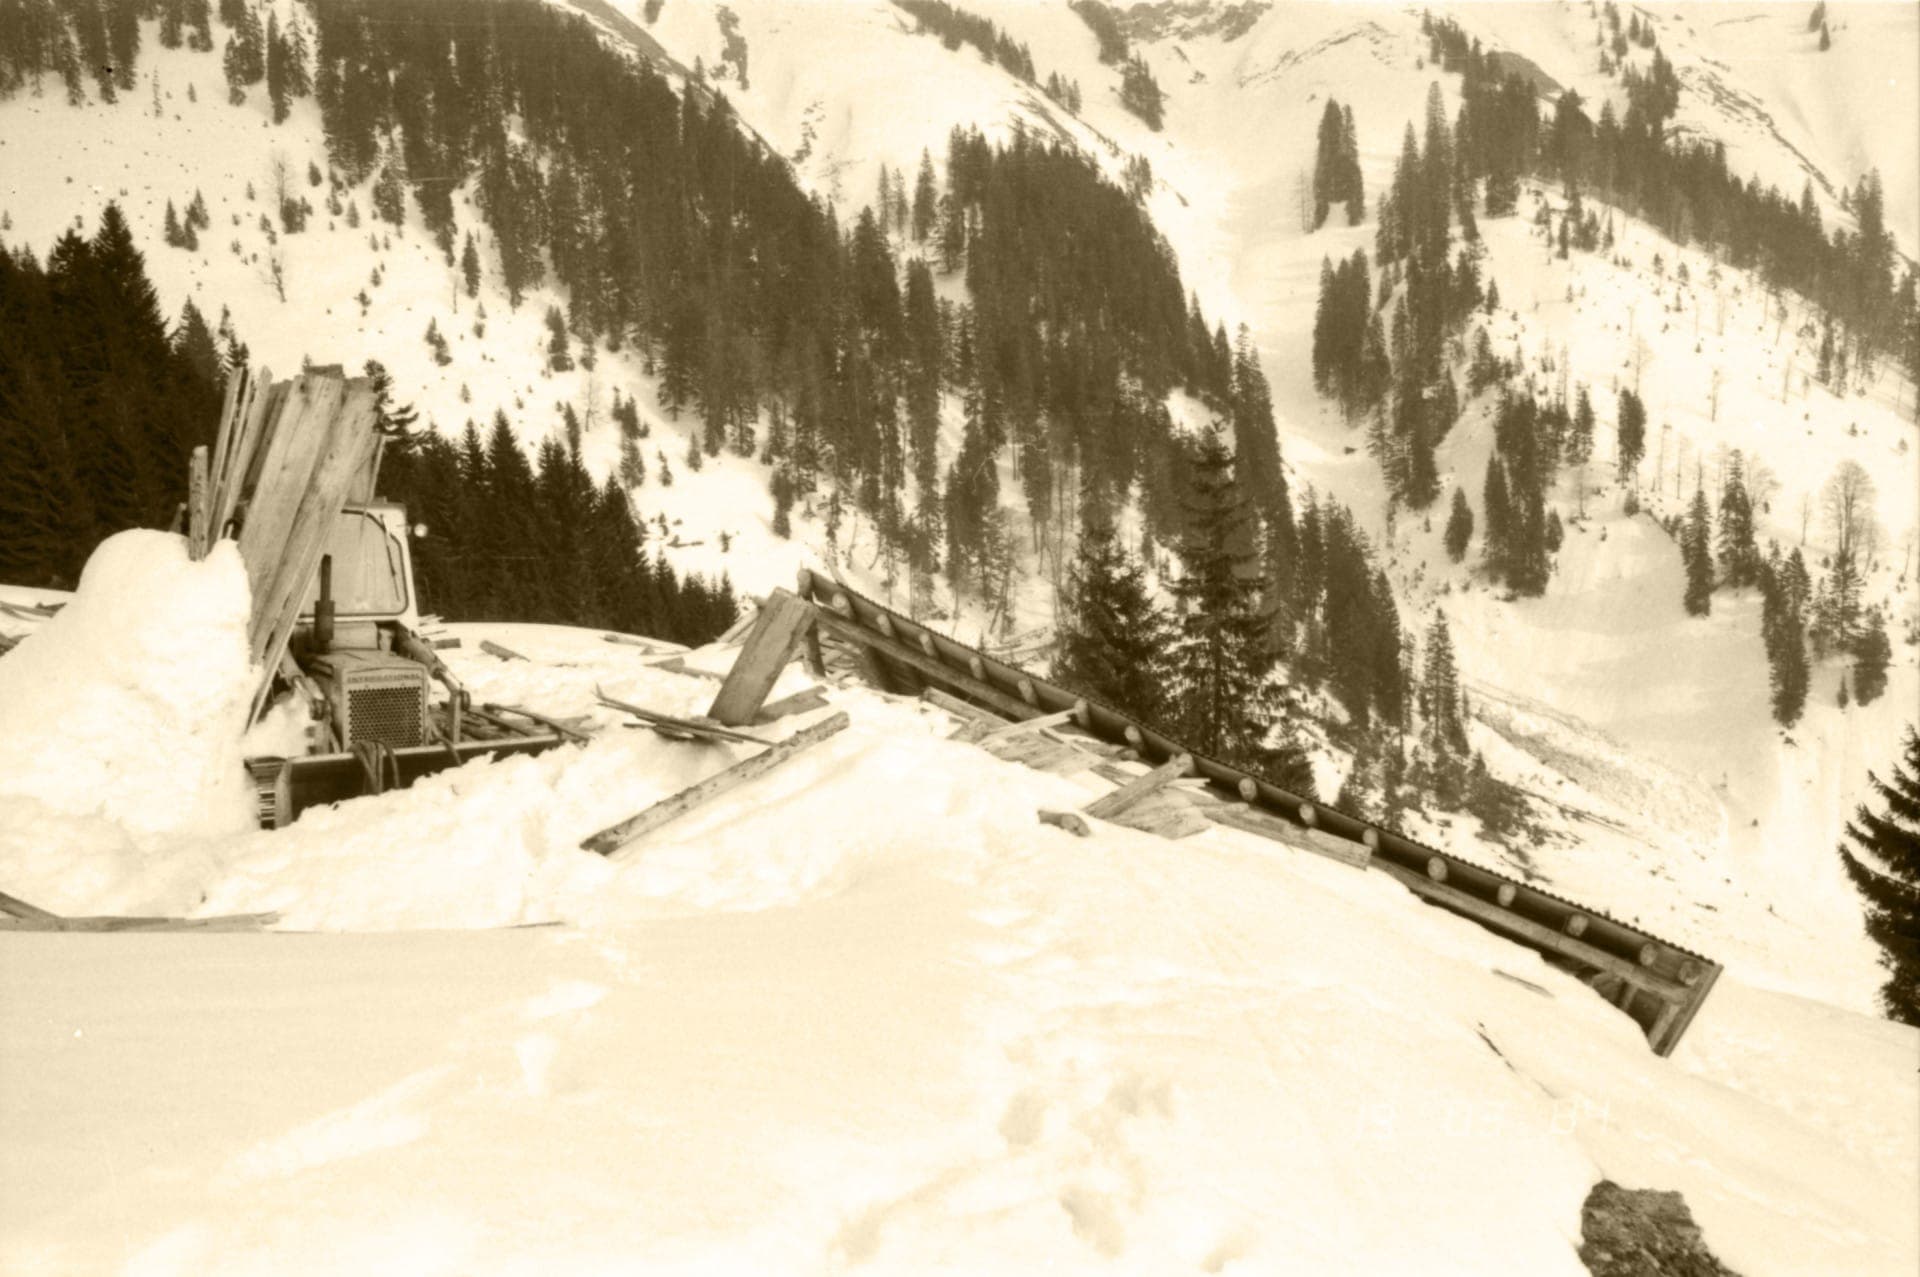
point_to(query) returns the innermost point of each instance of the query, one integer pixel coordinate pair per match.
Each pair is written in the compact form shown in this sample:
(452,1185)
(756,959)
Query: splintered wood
(17,915)
(770,643)
(616,837)
(285,461)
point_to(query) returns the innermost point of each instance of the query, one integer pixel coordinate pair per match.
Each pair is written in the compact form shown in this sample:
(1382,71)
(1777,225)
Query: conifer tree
(1497,510)
(926,199)
(1784,632)
(1459,527)
(279,84)
(1871,656)
(1218,661)
(1881,852)
(1440,691)
(1739,558)
(1836,612)
(1329,163)
(1113,636)
(1632,428)
(1696,555)
(470,266)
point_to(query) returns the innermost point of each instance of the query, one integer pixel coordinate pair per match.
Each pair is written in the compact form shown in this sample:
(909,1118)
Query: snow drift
(121,721)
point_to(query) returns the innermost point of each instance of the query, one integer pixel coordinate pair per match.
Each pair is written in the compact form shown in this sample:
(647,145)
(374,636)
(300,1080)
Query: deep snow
(867,1013)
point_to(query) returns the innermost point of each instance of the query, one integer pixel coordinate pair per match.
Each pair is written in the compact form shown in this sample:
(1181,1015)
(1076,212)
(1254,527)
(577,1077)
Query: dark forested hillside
(99,403)
(1016,319)
(786,333)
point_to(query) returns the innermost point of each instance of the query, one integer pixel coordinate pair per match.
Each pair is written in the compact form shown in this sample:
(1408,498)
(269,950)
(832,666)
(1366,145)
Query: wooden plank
(553,725)
(1254,821)
(325,497)
(627,640)
(1540,937)
(1031,724)
(961,709)
(234,450)
(769,646)
(505,653)
(677,664)
(1039,752)
(198,542)
(1672,1024)
(21,909)
(289,460)
(223,433)
(704,728)
(849,631)
(301,492)
(266,398)
(799,703)
(614,837)
(224,922)
(1164,814)
(1108,806)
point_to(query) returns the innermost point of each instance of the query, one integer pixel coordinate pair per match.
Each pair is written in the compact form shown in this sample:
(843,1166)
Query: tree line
(512,540)
(100,404)
(1684,188)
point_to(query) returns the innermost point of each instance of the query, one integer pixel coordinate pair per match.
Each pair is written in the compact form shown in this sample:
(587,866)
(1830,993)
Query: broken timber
(18,915)
(1112,806)
(1669,982)
(704,729)
(769,646)
(614,837)
(499,650)
(799,703)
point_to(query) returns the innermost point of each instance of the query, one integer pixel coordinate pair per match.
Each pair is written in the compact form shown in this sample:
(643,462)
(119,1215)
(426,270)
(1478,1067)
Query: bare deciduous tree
(1847,503)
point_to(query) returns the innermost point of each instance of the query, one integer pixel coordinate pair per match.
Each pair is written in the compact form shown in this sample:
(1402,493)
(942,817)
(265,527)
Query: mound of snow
(121,720)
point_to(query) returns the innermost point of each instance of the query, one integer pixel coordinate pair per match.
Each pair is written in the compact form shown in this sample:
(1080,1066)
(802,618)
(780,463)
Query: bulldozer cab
(372,574)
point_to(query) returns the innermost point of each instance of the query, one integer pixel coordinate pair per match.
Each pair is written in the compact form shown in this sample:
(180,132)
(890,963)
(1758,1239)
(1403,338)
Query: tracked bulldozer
(368,680)
(335,618)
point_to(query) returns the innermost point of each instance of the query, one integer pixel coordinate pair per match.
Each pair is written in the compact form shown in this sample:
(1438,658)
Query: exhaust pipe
(323,608)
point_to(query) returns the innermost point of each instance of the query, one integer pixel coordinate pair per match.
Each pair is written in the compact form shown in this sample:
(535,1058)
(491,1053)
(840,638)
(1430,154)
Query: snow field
(868,1013)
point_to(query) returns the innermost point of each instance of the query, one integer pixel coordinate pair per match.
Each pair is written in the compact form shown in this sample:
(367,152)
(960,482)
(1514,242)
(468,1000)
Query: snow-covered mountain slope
(865,1013)
(60,165)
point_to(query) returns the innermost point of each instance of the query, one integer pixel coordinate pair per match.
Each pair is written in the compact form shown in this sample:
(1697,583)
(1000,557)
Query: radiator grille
(393,715)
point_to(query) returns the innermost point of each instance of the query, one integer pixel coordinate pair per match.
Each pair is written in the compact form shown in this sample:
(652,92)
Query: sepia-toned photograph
(935,637)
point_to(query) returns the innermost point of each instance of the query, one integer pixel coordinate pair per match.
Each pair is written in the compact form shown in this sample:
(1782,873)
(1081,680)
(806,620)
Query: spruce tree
(1329,163)
(1632,433)
(1113,636)
(1459,527)
(1696,556)
(926,200)
(1871,655)
(1218,661)
(470,267)
(1440,691)
(1494,503)
(1789,672)
(1881,852)
(1739,559)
